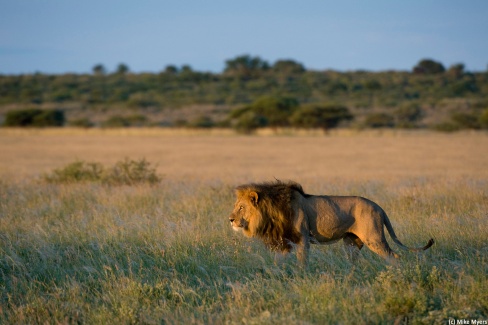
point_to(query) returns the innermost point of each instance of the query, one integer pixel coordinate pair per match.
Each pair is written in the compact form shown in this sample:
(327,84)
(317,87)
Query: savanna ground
(164,254)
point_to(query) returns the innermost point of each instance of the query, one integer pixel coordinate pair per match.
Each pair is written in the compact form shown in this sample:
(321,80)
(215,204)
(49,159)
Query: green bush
(429,66)
(466,120)
(201,122)
(118,121)
(276,110)
(49,118)
(34,118)
(81,123)
(21,118)
(125,172)
(142,100)
(265,111)
(408,115)
(78,171)
(248,122)
(483,119)
(317,116)
(379,120)
(131,172)
(446,127)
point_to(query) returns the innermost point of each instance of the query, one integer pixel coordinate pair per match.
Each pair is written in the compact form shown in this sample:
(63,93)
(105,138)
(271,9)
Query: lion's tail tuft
(430,243)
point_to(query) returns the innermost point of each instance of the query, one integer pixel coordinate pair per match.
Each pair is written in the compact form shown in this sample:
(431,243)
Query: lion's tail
(393,236)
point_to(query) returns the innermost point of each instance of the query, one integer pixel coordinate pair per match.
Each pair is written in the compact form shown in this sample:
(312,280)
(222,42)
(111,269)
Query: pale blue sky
(58,36)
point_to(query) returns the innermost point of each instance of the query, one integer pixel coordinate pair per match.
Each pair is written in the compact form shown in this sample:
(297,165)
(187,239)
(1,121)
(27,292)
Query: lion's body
(283,216)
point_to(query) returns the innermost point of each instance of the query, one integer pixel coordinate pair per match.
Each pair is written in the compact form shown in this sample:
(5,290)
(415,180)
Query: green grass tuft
(125,172)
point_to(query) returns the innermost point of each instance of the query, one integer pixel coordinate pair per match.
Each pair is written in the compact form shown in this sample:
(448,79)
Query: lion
(283,216)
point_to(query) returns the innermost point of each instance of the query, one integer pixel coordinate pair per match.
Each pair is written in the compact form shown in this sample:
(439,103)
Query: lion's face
(244,213)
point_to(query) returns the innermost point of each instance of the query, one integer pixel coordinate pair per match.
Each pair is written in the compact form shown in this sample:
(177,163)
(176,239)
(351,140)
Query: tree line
(248,83)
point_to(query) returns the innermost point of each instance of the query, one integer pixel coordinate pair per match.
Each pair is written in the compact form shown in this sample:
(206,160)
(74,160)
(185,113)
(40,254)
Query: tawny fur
(283,217)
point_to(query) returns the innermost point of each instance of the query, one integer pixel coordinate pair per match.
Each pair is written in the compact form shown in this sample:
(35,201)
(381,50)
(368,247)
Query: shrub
(276,110)
(131,172)
(484,119)
(49,118)
(429,66)
(316,116)
(125,172)
(379,120)
(118,121)
(248,122)
(143,100)
(21,118)
(78,171)
(466,120)
(407,115)
(81,123)
(265,111)
(201,122)
(446,127)
(34,118)
(288,67)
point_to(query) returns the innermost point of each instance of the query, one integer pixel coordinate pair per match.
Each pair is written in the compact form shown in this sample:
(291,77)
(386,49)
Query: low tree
(274,110)
(122,69)
(21,118)
(201,122)
(81,123)
(483,119)
(456,70)
(245,66)
(379,120)
(249,121)
(49,118)
(99,70)
(408,115)
(35,118)
(320,116)
(288,67)
(466,120)
(188,74)
(119,121)
(171,69)
(429,66)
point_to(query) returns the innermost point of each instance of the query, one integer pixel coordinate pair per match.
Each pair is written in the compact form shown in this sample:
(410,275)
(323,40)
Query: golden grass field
(232,159)
(90,253)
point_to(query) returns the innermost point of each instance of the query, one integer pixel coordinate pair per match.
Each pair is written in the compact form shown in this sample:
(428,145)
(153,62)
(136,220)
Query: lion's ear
(253,197)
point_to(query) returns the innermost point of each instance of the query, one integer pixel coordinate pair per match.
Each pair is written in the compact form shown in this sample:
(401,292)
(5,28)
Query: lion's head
(265,211)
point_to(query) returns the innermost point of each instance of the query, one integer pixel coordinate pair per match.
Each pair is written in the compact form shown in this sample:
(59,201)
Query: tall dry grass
(95,254)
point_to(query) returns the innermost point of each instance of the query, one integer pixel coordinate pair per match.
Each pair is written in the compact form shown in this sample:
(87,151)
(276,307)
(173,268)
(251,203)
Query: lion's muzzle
(235,224)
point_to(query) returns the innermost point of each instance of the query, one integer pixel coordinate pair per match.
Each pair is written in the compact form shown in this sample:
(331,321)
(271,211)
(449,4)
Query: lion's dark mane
(276,228)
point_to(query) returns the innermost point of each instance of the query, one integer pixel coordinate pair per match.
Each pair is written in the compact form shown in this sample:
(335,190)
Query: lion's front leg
(303,246)
(302,251)
(279,258)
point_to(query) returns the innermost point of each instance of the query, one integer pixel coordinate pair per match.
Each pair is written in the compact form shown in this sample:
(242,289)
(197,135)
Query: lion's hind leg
(352,240)
(381,248)
(353,245)
(372,235)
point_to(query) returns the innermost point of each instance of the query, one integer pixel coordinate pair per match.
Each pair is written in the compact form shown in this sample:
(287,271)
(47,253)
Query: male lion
(283,216)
